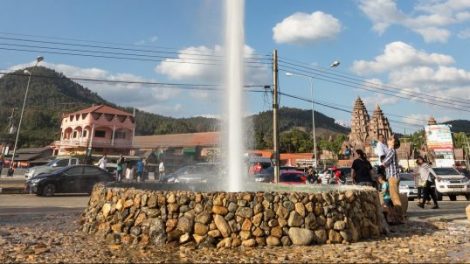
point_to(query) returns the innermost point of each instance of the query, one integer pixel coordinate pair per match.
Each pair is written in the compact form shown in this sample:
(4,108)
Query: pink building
(102,128)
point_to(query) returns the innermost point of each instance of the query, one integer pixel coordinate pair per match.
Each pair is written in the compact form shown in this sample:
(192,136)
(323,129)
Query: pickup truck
(51,166)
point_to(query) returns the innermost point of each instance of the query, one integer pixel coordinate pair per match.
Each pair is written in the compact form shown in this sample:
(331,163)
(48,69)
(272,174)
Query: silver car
(408,186)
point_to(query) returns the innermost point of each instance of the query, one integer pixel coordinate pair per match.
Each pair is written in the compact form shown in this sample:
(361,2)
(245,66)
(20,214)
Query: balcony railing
(97,142)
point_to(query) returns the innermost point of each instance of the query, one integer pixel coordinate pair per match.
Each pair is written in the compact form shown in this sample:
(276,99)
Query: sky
(410,57)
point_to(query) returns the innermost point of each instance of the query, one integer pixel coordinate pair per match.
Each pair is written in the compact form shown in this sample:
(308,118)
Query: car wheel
(411,199)
(48,190)
(453,197)
(439,196)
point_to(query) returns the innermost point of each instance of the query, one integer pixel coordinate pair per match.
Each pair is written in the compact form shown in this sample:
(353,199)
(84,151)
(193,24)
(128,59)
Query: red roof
(102,109)
(177,140)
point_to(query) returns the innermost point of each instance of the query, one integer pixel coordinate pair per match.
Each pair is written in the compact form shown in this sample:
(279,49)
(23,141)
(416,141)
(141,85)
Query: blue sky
(417,50)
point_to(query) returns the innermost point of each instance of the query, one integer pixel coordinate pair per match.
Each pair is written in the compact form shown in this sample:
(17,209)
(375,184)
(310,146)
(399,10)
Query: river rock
(200,229)
(249,243)
(295,219)
(245,212)
(185,224)
(222,225)
(273,241)
(220,210)
(203,218)
(300,209)
(339,225)
(300,236)
(152,201)
(320,236)
(106,209)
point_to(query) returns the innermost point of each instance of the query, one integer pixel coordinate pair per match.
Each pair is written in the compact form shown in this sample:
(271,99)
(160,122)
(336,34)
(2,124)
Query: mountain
(51,94)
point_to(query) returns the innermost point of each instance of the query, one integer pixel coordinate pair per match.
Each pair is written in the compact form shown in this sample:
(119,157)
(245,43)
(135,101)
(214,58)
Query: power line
(354,80)
(386,92)
(206,87)
(168,60)
(210,55)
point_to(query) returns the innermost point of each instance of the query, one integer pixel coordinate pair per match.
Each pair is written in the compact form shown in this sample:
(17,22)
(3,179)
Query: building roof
(177,140)
(32,150)
(102,109)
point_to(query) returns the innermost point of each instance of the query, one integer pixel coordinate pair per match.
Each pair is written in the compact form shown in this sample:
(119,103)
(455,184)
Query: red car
(292,177)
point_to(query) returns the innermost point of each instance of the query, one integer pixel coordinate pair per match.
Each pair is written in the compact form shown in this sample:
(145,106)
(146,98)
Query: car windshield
(51,162)
(406,177)
(446,171)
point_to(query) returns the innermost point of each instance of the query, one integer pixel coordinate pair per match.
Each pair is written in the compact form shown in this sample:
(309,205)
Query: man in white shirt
(381,149)
(103,162)
(161,169)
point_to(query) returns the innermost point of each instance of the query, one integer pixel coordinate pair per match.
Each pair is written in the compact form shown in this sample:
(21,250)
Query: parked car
(407,186)
(451,182)
(71,179)
(51,166)
(286,176)
(198,173)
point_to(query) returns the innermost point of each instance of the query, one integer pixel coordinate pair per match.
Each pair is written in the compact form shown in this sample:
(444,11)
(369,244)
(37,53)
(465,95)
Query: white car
(451,182)
(51,166)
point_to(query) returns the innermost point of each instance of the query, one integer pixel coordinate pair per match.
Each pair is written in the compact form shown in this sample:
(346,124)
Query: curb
(12,190)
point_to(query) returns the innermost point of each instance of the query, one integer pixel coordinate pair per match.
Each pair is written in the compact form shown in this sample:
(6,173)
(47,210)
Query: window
(75,171)
(62,163)
(92,171)
(100,133)
(74,134)
(120,135)
(73,162)
(85,133)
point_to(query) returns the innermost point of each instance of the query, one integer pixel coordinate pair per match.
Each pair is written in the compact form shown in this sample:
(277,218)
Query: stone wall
(146,217)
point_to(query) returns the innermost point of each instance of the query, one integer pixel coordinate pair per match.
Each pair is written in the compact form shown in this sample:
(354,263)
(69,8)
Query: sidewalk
(14,184)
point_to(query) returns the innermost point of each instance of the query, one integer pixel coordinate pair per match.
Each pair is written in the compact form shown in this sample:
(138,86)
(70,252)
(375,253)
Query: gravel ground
(54,238)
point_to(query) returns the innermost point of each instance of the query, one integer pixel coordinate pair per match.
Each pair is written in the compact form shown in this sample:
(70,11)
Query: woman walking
(427,175)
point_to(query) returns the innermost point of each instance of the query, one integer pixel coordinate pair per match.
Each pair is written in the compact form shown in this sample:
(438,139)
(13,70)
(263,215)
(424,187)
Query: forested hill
(51,94)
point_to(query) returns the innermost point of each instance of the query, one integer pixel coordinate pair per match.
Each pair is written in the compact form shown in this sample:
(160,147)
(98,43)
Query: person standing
(161,169)
(140,170)
(390,163)
(381,150)
(103,162)
(120,168)
(361,170)
(427,176)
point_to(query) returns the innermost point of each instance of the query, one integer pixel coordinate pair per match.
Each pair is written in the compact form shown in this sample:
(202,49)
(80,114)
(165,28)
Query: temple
(365,130)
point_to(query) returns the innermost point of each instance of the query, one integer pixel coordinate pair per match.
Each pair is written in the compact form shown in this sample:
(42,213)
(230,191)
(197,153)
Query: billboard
(439,138)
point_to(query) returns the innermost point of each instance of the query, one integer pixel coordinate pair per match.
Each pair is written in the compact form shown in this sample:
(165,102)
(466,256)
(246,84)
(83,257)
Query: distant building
(102,128)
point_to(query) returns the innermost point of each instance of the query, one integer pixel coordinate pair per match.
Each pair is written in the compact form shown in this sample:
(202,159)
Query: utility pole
(275,117)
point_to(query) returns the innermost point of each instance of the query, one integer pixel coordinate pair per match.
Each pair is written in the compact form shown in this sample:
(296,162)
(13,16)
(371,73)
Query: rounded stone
(273,241)
(300,236)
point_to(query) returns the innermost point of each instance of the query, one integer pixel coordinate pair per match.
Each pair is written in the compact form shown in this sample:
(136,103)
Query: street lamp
(310,80)
(38,60)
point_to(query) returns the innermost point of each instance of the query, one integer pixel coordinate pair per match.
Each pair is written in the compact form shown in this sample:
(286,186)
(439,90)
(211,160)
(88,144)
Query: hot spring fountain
(234,46)
(249,214)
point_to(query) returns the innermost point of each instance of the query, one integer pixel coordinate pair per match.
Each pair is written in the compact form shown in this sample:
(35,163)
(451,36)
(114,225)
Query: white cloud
(126,94)
(399,54)
(198,64)
(430,19)
(302,28)
(417,75)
